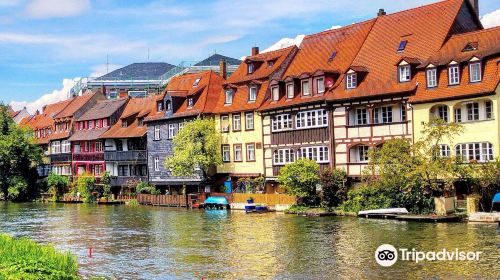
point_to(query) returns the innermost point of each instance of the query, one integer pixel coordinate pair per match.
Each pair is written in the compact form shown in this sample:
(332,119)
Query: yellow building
(237,118)
(461,84)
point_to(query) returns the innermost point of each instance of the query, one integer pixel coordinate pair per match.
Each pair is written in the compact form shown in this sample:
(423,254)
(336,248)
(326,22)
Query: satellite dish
(328,82)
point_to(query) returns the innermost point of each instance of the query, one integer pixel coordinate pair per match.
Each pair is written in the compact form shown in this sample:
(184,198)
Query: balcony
(60,158)
(89,157)
(126,180)
(134,156)
(43,170)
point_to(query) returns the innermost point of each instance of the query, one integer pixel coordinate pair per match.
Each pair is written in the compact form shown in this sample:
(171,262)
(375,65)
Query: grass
(24,259)
(295,209)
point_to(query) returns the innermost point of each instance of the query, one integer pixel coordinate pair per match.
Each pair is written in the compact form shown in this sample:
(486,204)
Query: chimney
(222,68)
(381,12)
(255,50)
(475,6)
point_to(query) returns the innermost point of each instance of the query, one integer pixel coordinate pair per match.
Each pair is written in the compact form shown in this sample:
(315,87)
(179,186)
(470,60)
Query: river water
(168,243)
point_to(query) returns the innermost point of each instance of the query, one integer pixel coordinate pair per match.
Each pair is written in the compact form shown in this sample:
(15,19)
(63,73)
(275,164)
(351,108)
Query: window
(431,77)
(124,123)
(314,118)
(98,146)
(105,123)
(382,114)
(236,122)
(475,72)
(224,122)
(444,150)
(171,130)
(225,153)
(237,152)
(473,111)
(360,154)
(275,93)
(157,163)
(361,116)
(453,75)
(404,73)
(250,68)
(91,124)
(181,125)
(442,112)
(159,106)
(157,132)
(282,122)
(305,88)
(168,105)
(123,170)
(403,112)
(196,82)
(66,146)
(458,115)
(98,169)
(289,91)
(56,147)
(252,94)
(249,125)
(250,152)
(481,152)
(352,80)
(270,63)
(488,109)
(402,45)
(283,156)
(140,121)
(229,96)
(318,154)
(190,102)
(321,85)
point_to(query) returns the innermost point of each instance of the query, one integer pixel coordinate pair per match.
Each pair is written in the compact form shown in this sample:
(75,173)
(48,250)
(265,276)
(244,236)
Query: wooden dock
(415,218)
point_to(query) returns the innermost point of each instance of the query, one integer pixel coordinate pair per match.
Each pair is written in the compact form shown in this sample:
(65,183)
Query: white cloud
(42,9)
(103,69)
(335,27)
(49,98)
(285,42)
(491,19)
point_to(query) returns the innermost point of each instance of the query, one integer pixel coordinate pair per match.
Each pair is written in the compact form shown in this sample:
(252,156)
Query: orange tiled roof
(46,118)
(263,71)
(205,94)
(75,104)
(136,108)
(424,28)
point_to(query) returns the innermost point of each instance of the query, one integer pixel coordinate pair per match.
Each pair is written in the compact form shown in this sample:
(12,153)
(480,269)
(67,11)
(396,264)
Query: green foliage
(133,203)
(334,188)
(106,186)
(300,178)
(197,145)
(488,183)
(18,158)
(146,188)
(251,185)
(58,185)
(366,198)
(85,185)
(24,259)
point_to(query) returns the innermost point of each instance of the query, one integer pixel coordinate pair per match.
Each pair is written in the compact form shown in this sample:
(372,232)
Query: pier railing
(162,200)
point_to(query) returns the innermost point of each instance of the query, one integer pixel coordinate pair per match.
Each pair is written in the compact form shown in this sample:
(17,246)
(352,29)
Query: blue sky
(43,42)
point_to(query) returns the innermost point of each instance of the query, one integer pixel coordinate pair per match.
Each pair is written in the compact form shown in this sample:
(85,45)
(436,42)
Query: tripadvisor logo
(387,255)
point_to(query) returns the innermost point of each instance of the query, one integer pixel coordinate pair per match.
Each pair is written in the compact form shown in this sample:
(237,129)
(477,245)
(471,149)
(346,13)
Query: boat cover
(496,198)
(216,200)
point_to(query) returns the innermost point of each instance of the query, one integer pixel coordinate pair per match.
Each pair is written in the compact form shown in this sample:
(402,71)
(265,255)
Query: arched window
(441,112)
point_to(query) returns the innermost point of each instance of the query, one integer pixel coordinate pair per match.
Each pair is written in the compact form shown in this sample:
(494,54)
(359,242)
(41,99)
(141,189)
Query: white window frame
(454,74)
(478,151)
(56,147)
(172,127)
(404,73)
(275,93)
(431,76)
(290,90)
(250,152)
(157,134)
(226,153)
(306,91)
(249,121)
(443,112)
(250,68)
(157,163)
(311,119)
(252,93)
(224,119)
(237,122)
(190,102)
(229,96)
(320,83)
(317,153)
(457,112)
(238,152)
(351,80)
(362,153)
(65,147)
(282,122)
(488,110)
(444,150)
(473,112)
(283,156)
(475,74)
(361,116)
(383,115)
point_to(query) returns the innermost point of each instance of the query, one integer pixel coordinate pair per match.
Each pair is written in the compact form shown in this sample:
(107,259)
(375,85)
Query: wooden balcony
(125,180)
(60,158)
(130,156)
(89,157)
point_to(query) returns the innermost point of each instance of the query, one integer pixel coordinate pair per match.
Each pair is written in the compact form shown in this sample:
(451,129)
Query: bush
(85,186)
(133,203)
(58,185)
(334,188)
(366,198)
(300,179)
(145,188)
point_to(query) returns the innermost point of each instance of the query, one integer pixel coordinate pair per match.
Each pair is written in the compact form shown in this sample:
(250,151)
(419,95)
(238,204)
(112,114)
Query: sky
(46,44)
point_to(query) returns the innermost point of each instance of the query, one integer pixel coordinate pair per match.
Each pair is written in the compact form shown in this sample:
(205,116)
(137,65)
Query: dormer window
(229,96)
(453,74)
(404,73)
(252,93)
(321,85)
(275,93)
(270,63)
(196,82)
(471,46)
(124,123)
(190,102)
(305,88)
(431,76)
(351,80)
(159,106)
(289,91)
(141,121)
(250,68)
(168,105)
(475,72)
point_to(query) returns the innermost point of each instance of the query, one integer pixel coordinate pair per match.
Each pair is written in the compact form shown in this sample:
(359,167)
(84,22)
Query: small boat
(383,212)
(252,208)
(216,203)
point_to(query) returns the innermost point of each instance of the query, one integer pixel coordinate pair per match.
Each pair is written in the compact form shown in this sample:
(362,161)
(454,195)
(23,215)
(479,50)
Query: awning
(216,200)
(496,198)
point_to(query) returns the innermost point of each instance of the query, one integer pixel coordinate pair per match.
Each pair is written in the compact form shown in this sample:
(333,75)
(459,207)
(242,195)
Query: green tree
(86,185)
(19,156)
(58,185)
(334,189)
(196,146)
(300,178)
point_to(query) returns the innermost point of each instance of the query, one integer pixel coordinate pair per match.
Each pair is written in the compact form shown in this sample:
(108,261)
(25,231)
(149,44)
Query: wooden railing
(60,157)
(163,200)
(136,156)
(123,197)
(270,199)
(98,156)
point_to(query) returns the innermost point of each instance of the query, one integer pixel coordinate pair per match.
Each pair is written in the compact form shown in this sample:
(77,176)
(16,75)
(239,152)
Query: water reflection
(166,243)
